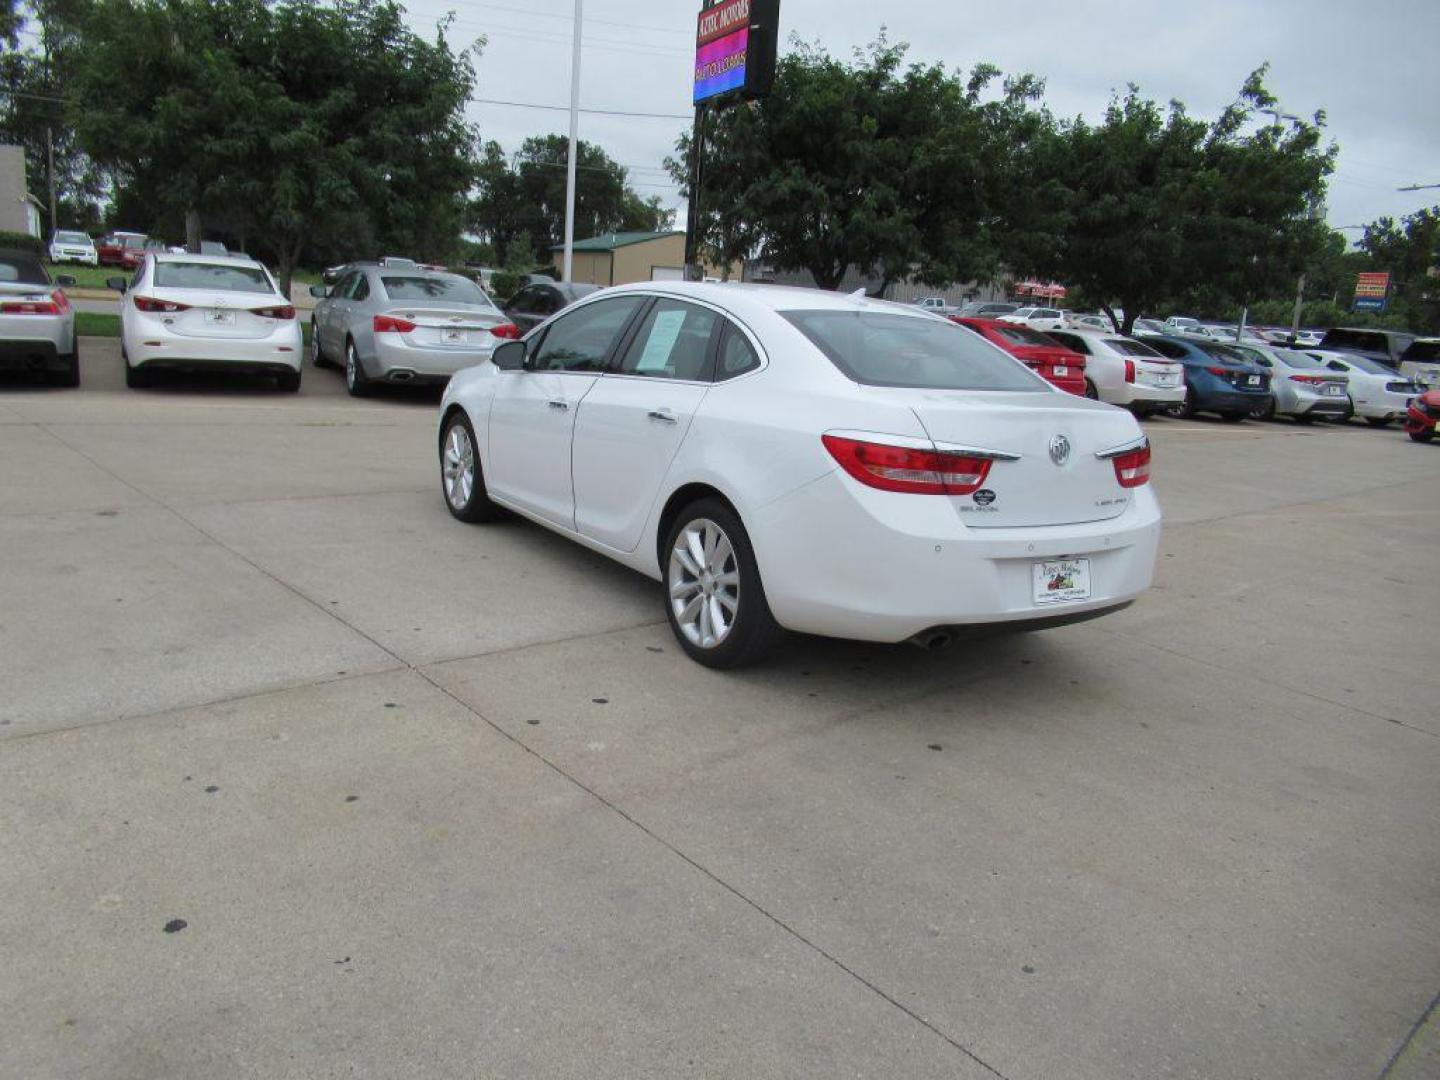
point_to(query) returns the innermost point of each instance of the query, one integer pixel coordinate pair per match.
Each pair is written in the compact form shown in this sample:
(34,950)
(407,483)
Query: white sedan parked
(1126,372)
(787,458)
(206,313)
(1037,318)
(1376,392)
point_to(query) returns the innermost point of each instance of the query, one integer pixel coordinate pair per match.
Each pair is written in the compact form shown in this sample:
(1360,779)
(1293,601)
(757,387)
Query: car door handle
(665,416)
(563,406)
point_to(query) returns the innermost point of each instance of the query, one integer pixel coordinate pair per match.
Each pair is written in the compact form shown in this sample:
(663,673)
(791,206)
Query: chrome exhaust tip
(402,375)
(931,640)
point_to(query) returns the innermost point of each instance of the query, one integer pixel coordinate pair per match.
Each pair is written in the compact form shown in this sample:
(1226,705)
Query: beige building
(19,212)
(624,258)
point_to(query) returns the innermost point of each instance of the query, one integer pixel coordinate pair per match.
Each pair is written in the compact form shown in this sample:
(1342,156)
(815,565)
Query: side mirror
(119,284)
(65,281)
(510,356)
(319,291)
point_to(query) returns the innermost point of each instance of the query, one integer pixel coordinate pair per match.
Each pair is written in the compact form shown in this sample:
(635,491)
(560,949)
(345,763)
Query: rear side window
(879,349)
(737,355)
(673,342)
(23,270)
(181,275)
(1074,342)
(582,339)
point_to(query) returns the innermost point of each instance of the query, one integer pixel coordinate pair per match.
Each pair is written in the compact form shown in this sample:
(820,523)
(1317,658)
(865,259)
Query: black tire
(1378,421)
(317,354)
(1090,391)
(475,507)
(1303,418)
(288,382)
(1186,410)
(1421,436)
(69,375)
(754,634)
(1233,417)
(136,378)
(356,381)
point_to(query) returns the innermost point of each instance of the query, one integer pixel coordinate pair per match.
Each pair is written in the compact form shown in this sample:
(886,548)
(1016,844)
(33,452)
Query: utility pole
(574,146)
(697,181)
(50,154)
(1419,187)
(1299,303)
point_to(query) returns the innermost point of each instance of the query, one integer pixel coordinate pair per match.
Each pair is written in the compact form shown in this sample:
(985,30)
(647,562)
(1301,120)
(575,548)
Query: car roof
(742,298)
(208,260)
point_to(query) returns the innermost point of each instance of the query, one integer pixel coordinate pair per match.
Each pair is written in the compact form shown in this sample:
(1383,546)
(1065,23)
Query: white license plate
(222,318)
(1334,391)
(1061,371)
(1253,380)
(1064,581)
(454,337)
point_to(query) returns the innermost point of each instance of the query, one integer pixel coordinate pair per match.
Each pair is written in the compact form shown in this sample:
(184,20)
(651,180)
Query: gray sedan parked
(402,325)
(37,323)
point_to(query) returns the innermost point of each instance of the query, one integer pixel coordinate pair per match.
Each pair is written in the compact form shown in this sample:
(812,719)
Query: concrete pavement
(442,801)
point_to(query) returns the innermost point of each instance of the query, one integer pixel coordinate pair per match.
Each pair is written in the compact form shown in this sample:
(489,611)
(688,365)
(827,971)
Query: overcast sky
(1370,66)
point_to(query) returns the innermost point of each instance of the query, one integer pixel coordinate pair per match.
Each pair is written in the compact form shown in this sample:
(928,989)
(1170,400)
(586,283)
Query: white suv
(76,247)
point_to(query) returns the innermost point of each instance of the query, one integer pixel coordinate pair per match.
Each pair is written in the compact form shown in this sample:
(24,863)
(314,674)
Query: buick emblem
(1059,449)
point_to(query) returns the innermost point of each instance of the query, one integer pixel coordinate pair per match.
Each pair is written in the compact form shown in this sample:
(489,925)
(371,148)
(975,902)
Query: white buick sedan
(785,459)
(206,313)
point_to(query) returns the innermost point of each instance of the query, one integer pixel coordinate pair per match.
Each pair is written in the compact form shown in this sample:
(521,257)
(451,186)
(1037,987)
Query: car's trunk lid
(441,327)
(1057,479)
(217,313)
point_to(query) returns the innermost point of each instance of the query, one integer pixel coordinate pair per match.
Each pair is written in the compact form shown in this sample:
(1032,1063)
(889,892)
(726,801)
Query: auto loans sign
(735,49)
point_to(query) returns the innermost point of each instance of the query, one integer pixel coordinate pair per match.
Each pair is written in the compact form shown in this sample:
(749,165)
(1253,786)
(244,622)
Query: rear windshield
(22,270)
(900,350)
(1356,339)
(1423,350)
(1223,352)
(1126,347)
(1364,363)
(71,238)
(456,290)
(1299,360)
(1023,335)
(185,275)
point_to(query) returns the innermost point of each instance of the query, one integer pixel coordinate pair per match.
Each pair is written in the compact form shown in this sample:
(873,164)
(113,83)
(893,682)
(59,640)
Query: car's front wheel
(317,354)
(462,480)
(715,600)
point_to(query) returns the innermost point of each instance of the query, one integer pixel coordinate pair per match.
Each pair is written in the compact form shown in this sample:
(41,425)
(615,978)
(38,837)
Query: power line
(593,112)
(571,19)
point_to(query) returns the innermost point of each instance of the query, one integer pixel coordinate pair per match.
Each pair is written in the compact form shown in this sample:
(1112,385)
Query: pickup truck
(1384,346)
(111,248)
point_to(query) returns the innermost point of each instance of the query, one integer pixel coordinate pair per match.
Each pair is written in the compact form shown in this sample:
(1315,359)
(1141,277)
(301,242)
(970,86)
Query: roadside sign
(1372,286)
(735,47)
(1374,304)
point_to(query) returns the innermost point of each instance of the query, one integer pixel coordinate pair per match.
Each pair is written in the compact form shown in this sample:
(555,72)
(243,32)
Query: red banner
(1373,285)
(722,19)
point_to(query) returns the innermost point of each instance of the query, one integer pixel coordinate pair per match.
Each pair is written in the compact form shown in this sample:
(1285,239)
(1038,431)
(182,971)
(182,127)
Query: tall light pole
(574,147)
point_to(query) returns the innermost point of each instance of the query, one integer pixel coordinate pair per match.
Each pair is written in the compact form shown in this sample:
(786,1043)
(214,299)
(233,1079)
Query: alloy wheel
(351,362)
(458,468)
(704,582)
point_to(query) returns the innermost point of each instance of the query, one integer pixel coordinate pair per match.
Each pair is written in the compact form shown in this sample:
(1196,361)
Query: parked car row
(121,248)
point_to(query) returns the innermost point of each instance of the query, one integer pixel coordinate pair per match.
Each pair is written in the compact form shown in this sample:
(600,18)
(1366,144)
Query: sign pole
(574,147)
(697,179)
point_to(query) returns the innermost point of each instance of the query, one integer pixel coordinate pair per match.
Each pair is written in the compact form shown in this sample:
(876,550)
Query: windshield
(1023,335)
(456,290)
(71,238)
(1423,350)
(22,270)
(184,275)
(1126,347)
(900,350)
(1364,363)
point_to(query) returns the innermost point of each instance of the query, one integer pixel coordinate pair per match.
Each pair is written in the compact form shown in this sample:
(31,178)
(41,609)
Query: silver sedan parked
(403,325)
(37,323)
(1301,385)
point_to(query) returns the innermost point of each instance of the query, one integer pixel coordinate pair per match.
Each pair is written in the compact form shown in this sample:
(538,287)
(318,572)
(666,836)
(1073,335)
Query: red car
(1044,355)
(1422,416)
(112,249)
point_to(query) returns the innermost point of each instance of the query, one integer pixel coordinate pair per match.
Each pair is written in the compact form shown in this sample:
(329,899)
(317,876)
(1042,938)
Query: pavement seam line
(694,864)
(1410,1037)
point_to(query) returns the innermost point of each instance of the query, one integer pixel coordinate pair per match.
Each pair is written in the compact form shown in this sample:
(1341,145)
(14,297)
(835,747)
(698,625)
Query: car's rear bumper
(1140,394)
(907,567)
(281,351)
(1229,401)
(399,362)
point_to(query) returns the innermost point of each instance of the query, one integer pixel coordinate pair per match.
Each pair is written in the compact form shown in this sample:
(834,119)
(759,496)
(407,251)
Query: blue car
(1218,379)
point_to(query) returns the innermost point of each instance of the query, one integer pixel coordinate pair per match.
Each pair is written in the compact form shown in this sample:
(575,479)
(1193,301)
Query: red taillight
(506,330)
(56,305)
(1129,371)
(900,468)
(280,311)
(1133,469)
(389,324)
(166,307)
(1220,371)
(1309,380)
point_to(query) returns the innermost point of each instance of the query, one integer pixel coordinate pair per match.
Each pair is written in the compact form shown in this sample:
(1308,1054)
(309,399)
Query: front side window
(673,342)
(183,275)
(360,290)
(581,340)
(878,349)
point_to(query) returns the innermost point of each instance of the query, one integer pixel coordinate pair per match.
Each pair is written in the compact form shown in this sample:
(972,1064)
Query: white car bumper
(1385,405)
(1139,394)
(845,561)
(281,349)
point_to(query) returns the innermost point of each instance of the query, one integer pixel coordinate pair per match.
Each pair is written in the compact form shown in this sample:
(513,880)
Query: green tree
(526,196)
(1152,207)
(895,171)
(291,123)
(1409,250)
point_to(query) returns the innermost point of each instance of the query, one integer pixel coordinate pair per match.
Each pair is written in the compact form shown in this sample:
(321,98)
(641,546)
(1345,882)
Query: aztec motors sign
(735,44)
